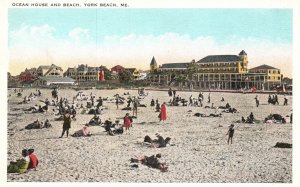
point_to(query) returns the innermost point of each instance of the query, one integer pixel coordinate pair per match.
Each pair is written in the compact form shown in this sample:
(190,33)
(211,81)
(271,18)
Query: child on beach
(33,160)
(127,123)
(230,133)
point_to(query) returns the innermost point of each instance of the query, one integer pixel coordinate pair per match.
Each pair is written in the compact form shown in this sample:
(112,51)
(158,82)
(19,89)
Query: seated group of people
(95,121)
(275,118)
(27,162)
(38,125)
(37,109)
(113,128)
(250,119)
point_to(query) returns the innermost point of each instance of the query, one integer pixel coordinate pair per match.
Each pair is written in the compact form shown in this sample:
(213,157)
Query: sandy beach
(198,152)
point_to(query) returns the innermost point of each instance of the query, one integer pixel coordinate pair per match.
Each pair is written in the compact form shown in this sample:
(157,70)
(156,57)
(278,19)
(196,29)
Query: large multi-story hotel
(84,73)
(217,71)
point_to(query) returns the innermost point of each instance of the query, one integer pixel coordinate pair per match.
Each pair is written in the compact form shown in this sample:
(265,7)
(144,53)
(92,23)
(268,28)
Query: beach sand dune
(198,152)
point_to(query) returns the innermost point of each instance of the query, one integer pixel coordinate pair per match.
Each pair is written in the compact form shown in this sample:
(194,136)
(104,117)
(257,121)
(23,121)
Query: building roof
(153,61)
(242,53)
(263,67)
(131,70)
(44,67)
(175,65)
(118,66)
(57,79)
(52,67)
(93,68)
(219,58)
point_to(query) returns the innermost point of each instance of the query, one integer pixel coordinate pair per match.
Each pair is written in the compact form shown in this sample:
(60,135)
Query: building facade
(134,72)
(84,73)
(50,71)
(219,72)
(48,81)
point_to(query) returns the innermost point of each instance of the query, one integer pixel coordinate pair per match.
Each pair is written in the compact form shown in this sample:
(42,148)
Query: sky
(130,37)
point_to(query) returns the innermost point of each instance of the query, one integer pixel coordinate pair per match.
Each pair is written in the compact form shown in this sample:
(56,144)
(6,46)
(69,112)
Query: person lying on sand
(32,109)
(230,110)
(152,161)
(35,125)
(85,131)
(157,143)
(210,115)
(21,165)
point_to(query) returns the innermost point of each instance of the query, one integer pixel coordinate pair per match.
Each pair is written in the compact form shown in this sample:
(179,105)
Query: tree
(192,69)
(125,76)
(107,73)
(180,80)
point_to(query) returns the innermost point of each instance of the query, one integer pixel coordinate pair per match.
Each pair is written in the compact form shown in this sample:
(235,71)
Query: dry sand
(199,152)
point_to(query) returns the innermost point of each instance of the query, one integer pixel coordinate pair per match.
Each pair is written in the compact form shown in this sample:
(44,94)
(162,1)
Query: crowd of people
(66,110)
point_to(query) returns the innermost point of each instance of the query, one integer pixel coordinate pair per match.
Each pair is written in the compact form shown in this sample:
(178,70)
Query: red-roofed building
(26,76)
(117,69)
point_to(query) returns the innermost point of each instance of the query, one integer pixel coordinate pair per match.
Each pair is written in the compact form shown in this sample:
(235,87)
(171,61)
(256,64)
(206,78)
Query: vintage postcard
(126,92)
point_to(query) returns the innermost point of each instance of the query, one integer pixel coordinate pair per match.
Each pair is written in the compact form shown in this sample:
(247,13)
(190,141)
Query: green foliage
(180,79)
(125,76)
(107,73)
(192,68)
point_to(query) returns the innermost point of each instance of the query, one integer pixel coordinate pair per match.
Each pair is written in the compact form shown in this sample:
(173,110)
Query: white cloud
(39,42)
(80,34)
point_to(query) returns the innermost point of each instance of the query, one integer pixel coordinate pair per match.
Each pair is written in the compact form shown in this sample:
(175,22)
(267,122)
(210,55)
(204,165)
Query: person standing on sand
(276,99)
(67,124)
(230,133)
(163,112)
(256,101)
(117,101)
(127,123)
(135,107)
(208,98)
(285,100)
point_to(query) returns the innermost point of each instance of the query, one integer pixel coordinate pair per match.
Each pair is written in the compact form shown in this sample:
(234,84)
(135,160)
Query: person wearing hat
(230,133)
(66,124)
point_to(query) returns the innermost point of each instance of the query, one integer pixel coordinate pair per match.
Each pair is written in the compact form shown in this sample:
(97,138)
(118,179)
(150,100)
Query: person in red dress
(163,112)
(127,123)
(33,160)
